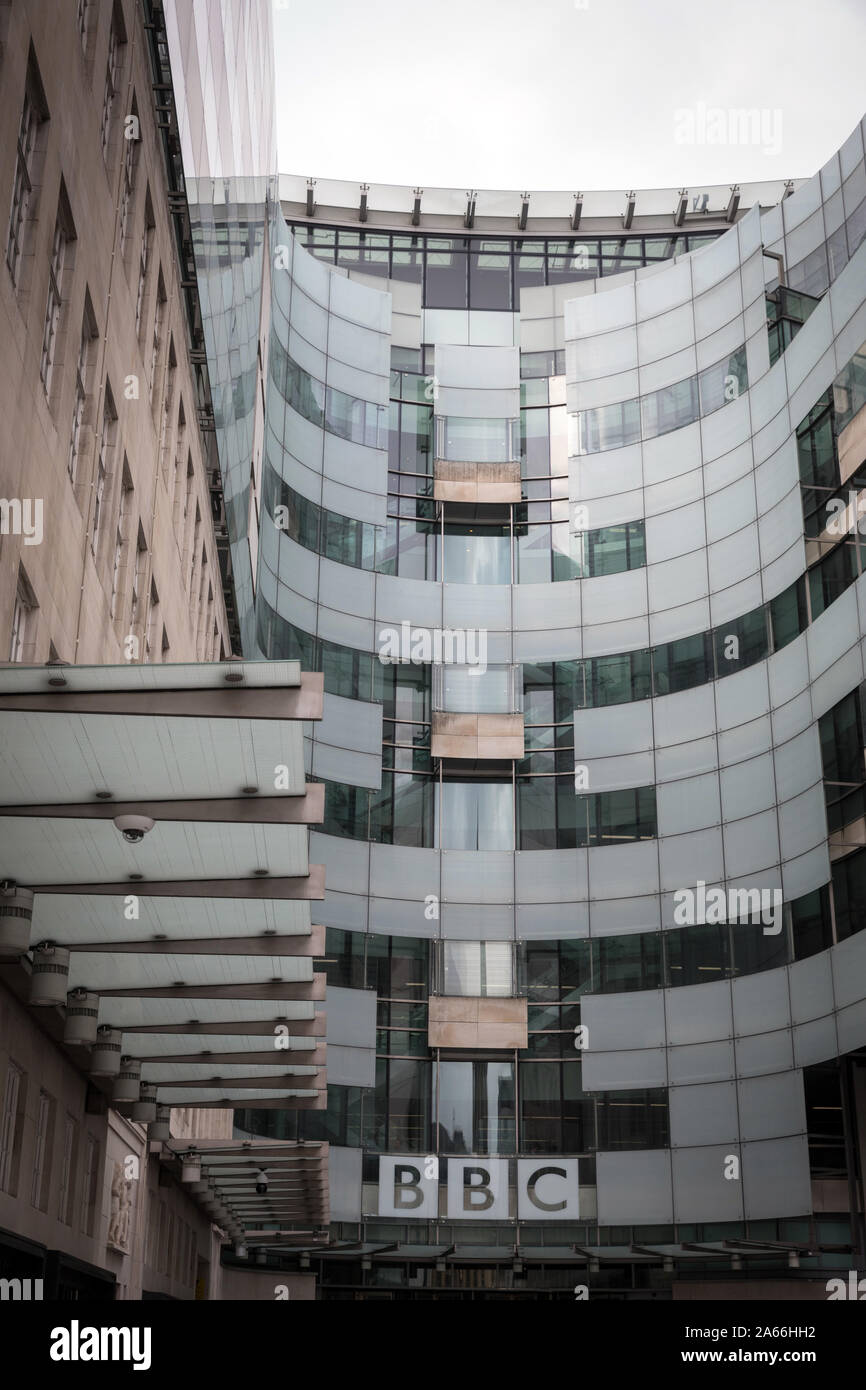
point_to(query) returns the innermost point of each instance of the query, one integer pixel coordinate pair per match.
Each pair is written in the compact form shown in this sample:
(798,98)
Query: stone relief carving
(121,1209)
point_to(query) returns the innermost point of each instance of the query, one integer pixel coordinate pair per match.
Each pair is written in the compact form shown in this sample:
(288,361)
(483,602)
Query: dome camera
(133,828)
(261,1182)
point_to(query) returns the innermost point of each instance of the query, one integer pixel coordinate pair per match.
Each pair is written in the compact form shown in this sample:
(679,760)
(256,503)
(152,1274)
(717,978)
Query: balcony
(476,460)
(475,1004)
(477,712)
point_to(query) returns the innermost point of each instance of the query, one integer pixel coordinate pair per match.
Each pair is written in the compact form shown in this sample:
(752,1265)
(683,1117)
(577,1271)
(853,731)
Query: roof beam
(283,1081)
(275,888)
(305,808)
(280,1103)
(312,1057)
(251,702)
(298,1027)
(312,944)
(264,989)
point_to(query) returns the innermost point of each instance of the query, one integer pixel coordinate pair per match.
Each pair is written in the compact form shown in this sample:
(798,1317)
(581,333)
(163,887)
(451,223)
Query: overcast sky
(565,94)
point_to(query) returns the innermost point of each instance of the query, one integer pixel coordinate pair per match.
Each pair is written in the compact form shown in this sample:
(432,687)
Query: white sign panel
(547,1190)
(477,1189)
(408,1186)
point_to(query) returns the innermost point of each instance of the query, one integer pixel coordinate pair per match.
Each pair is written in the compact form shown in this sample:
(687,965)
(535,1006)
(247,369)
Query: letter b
(407,1195)
(472,1190)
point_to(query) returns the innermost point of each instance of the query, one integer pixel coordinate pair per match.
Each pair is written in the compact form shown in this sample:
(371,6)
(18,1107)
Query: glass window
(568,551)
(607,550)
(615,548)
(538,698)
(754,951)
(630,962)
(670,408)
(556,1116)
(632,1119)
(623,816)
(788,615)
(490,275)
(697,954)
(415,555)
(401,810)
(409,1099)
(407,259)
(723,382)
(608,427)
(569,261)
(466,439)
(831,578)
(344,958)
(741,642)
(556,970)
(447,274)
(533,553)
(811,275)
(468,690)
(662,248)
(476,1110)
(548,813)
(475,815)
(476,555)
(620,678)
(416,438)
(345,811)
(810,923)
(568,687)
(534,442)
(680,665)
(528,268)
(477,968)
(398,967)
(364,251)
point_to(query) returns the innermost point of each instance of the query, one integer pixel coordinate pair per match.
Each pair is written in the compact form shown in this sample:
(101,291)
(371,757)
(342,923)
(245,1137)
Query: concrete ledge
(477,735)
(470,1022)
(475,482)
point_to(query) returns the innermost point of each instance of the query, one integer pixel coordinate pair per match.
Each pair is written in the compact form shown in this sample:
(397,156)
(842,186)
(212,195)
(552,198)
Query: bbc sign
(478,1188)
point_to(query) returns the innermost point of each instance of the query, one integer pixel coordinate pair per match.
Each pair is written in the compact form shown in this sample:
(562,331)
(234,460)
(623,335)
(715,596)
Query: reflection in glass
(475,555)
(475,815)
(465,438)
(477,969)
(476,1111)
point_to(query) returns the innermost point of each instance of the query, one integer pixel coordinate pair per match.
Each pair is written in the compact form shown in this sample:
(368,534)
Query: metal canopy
(198,939)
(150,756)
(180,675)
(297,1180)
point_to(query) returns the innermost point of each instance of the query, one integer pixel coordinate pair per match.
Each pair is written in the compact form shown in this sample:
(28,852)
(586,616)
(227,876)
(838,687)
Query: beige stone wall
(71,584)
(81,609)
(23,1045)
(166,1241)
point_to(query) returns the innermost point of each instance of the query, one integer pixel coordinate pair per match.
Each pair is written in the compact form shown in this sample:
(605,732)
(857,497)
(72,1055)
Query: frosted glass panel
(471,690)
(476,815)
(465,438)
(477,968)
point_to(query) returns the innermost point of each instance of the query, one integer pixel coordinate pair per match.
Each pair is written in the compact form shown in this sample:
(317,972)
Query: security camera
(261,1182)
(133,828)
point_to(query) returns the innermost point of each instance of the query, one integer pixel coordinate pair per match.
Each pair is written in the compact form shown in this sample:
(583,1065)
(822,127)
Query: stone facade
(98,395)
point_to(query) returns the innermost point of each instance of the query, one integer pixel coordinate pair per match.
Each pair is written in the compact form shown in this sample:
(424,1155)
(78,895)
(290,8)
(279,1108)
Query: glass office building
(564,505)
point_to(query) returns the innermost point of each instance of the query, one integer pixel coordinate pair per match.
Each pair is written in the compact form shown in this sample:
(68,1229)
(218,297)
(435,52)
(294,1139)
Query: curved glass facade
(638,497)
